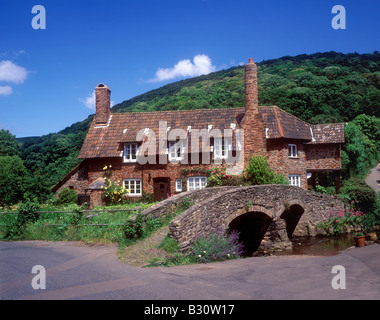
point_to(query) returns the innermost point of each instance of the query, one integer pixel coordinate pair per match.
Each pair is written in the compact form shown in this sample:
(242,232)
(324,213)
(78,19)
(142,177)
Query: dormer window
(292,151)
(130,152)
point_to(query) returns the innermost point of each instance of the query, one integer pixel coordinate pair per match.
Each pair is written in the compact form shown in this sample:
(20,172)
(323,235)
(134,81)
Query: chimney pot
(250,60)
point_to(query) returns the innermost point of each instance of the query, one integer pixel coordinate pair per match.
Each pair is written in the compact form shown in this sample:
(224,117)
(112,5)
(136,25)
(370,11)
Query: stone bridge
(266,216)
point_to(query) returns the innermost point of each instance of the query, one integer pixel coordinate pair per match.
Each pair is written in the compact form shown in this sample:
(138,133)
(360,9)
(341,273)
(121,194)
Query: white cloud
(11,72)
(6,90)
(185,68)
(90,101)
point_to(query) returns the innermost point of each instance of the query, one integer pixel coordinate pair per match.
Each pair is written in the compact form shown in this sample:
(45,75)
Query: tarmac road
(77,271)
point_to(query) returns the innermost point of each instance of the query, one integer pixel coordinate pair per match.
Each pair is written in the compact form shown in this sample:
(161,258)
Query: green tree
(8,144)
(12,173)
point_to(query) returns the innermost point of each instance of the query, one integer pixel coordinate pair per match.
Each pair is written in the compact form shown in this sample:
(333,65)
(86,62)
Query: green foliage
(152,224)
(336,223)
(259,172)
(169,244)
(11,227)
(66,196)
(133,229)
(219,177)
(359,153)
(15,224)
(8,144)
(12,172)
(217,246)
(27,212)
(369,222)
(362,196)
(76,217)
(114,193)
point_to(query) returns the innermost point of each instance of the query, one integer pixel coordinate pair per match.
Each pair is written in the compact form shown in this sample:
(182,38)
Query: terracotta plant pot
(359,241)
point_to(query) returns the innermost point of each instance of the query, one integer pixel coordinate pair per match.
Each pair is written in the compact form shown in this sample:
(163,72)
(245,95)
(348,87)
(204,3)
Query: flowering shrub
(219,177)
(218,246)
(114,193)
(335,223)
(257,172)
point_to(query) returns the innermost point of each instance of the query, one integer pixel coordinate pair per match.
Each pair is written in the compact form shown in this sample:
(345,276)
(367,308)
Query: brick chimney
(251,100)
(103,103)
(253,124)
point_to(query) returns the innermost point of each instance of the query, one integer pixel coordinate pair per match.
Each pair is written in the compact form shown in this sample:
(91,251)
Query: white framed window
(134,187)
(292,151)
(178,185)
(176,150)
(220,148)
(295,180)
(195,183)
(130,152)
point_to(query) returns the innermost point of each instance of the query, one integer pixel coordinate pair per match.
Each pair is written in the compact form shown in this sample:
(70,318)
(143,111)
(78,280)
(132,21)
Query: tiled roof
(97,185)
(281,124)
(328,133)
(105,141)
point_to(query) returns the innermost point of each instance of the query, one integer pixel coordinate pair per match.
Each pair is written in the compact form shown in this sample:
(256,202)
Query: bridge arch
(252,227)
(290,209)
(292,216)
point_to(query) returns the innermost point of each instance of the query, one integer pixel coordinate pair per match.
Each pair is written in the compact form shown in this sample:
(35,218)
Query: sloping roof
(106,141)
(99,184)
(65,178)
(282,124)
(328,133)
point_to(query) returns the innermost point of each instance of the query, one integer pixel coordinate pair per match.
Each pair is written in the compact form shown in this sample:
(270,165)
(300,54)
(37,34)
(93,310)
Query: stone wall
(221,207)
(169,205)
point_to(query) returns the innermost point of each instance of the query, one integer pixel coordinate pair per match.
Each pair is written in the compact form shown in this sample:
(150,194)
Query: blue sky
(47,76)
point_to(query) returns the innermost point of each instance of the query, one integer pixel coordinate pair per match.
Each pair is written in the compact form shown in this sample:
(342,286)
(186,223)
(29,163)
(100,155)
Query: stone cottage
(152,152)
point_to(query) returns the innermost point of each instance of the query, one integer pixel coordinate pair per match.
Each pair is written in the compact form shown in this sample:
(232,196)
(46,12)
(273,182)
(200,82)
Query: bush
(217,247)
(219,177)
(76,217)
(15,223)
(114,193)
(134,229)
(66,196)
(362,196)
(259,172)
(336,223)
(27,213)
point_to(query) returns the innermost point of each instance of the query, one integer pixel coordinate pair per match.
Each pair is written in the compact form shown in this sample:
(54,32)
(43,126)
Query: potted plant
(368,225)
(359,239)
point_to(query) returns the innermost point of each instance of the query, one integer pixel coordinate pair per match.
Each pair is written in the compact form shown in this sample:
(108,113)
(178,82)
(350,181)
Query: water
(318,246)
(321,246)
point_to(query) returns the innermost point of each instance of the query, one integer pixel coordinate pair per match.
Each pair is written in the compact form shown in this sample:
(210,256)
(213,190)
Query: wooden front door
(161,188)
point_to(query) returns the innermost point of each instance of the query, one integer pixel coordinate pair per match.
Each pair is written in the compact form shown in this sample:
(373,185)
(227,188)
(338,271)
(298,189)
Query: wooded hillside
(318,88)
